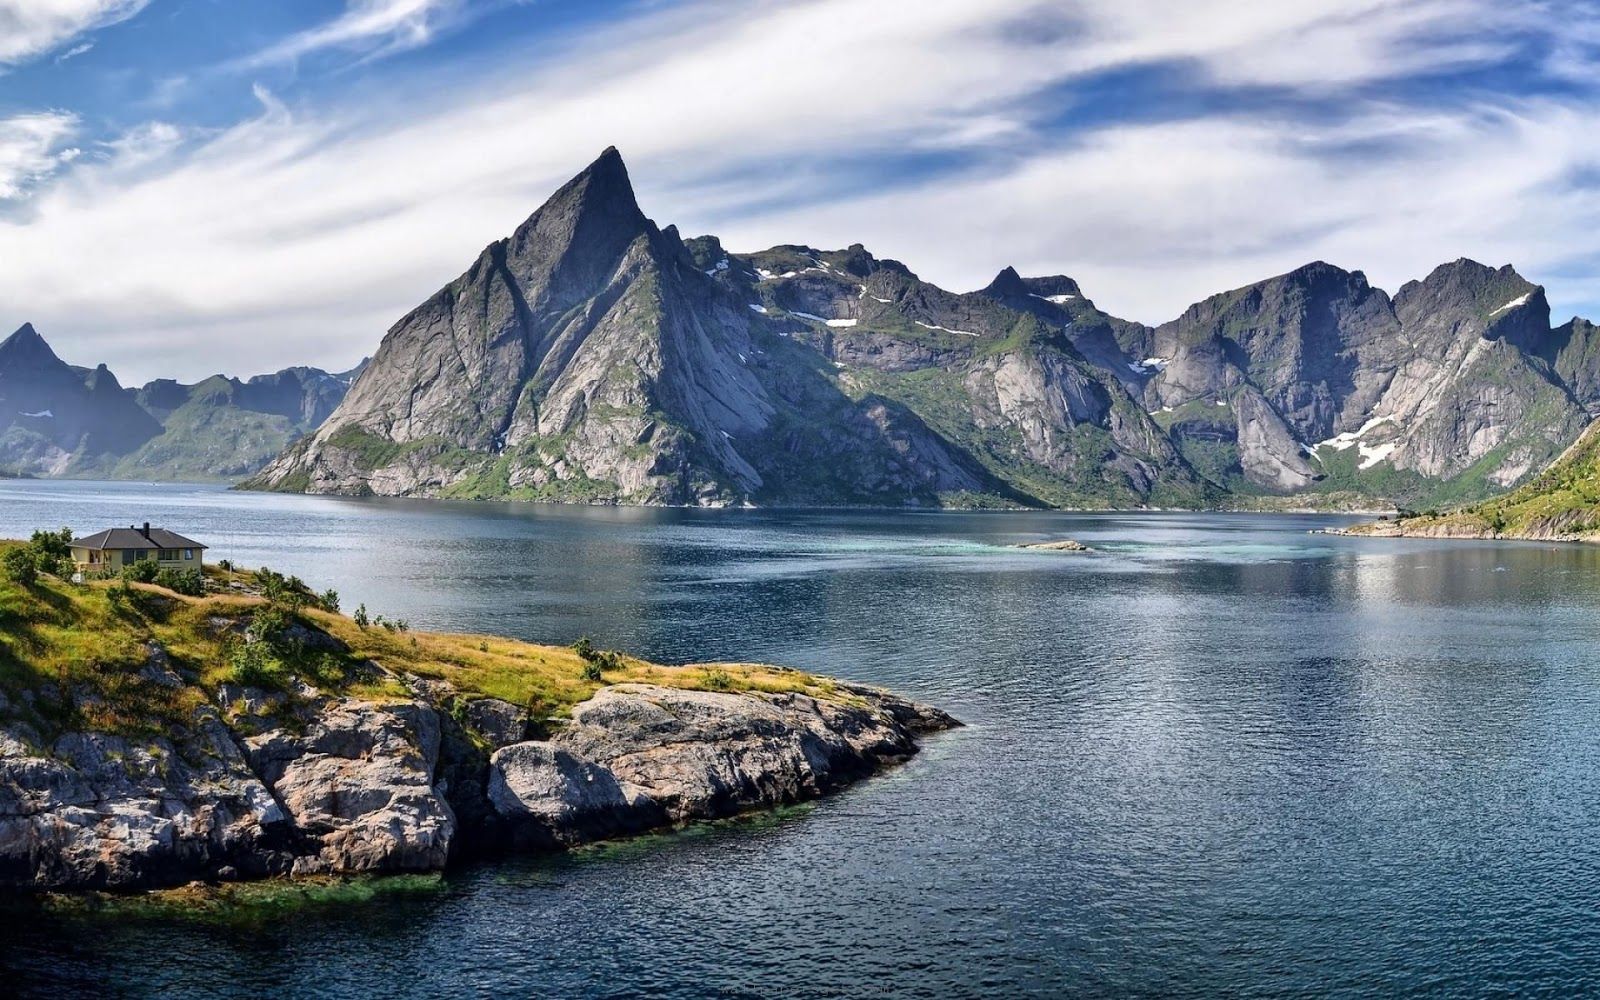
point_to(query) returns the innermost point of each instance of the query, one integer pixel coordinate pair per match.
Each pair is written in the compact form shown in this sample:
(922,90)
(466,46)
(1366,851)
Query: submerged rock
(1063,545)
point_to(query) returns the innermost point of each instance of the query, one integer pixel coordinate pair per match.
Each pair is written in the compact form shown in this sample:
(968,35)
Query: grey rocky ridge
(60,420)
(593,356)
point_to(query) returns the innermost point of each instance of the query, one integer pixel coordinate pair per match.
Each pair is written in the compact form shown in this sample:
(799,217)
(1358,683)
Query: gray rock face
(358,786)
(96,811)
(594,357)
(337,784)
(638,756)
(1457,372)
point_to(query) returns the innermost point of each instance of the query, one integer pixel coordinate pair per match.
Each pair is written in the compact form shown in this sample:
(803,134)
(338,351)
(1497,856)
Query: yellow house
(110,550)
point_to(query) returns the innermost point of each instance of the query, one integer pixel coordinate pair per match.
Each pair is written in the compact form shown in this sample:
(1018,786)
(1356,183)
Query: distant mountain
(58,420)
(1315,379)
(53,416)
(594,357)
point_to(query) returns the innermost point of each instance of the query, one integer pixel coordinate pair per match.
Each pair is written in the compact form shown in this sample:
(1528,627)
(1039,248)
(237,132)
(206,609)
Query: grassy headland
(78,657)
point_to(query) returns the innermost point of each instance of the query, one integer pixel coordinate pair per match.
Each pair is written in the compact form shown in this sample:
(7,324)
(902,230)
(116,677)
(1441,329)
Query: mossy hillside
(74,657)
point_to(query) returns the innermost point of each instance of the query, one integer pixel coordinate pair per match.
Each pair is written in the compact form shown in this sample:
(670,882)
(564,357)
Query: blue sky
(188,186)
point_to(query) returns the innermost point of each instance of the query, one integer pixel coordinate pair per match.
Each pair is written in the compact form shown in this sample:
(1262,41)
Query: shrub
(266,625)
(252,664)
(143,571)
(718,679)
(182,581)
(595,661)
(360,617)
(21,567)
(52,545)
(329,601)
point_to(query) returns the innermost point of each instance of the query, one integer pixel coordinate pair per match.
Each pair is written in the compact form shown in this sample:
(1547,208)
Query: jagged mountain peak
(26,348)
(1010,286)
(1007,284)
(603,185)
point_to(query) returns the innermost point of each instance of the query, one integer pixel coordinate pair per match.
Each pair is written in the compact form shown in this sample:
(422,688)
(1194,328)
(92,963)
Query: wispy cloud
(30,28)
(369,27)
(31,148)
(301,234)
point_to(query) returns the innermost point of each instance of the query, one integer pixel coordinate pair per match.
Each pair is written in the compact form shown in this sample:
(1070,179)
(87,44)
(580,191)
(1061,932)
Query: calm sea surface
(1221,754)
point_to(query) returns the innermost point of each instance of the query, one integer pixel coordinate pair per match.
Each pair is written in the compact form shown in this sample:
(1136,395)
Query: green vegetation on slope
(1562,502)
(83,657)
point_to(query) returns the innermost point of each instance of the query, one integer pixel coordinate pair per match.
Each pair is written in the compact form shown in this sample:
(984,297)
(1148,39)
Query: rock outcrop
(637,756)
(319,784)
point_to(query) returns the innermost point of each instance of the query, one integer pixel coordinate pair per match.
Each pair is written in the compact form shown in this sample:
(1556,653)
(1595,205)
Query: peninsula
(247,729)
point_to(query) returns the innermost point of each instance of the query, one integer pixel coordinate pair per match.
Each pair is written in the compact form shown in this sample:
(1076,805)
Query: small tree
(360,617)
(329,601)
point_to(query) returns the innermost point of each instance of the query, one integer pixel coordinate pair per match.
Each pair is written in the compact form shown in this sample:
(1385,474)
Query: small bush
(718,679)
(52,545)
(360,617)
(21,567)
(143,571)
(181,581)
(253,665)
(329,601)
(266,625)
(595,661)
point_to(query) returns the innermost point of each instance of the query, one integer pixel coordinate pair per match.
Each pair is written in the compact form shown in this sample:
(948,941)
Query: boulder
(638,756)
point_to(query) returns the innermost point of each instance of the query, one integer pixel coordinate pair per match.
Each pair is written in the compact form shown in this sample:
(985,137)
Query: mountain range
(593,356)
(60,420)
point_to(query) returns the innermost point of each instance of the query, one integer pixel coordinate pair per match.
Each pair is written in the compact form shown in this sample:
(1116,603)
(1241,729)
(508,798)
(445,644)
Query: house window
(139,555)
(188,553)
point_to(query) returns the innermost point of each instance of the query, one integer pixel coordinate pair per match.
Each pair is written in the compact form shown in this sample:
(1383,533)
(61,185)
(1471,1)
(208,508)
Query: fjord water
(1219,754)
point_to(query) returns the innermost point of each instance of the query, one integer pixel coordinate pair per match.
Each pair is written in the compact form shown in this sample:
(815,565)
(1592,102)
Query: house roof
(135,538)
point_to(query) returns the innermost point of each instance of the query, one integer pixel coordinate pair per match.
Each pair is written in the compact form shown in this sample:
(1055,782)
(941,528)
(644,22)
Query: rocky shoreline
(260,784)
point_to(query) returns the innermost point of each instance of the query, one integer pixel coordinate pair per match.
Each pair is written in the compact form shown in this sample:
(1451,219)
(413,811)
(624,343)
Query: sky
(195,186)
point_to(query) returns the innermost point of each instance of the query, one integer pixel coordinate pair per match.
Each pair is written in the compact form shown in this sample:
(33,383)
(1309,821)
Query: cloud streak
(369,26)
(29,28)
(300,235)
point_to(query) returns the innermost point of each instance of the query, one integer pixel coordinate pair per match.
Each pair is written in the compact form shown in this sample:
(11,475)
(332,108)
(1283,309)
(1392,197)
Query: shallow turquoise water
(1220,755)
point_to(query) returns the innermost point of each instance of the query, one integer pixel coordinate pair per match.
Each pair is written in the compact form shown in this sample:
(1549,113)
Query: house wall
(112,560)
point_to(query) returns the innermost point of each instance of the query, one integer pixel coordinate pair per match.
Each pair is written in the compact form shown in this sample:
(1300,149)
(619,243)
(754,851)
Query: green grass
(71,657)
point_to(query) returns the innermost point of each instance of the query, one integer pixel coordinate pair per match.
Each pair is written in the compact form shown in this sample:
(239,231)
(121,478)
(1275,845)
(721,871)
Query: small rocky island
(247,729)
(1059,545)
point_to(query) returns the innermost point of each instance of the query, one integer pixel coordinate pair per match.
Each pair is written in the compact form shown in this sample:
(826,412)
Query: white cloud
(383,25)
(31,148)
(1150,218)
(30,28)
(299,236)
